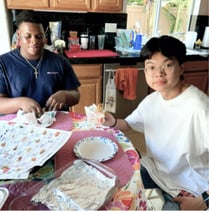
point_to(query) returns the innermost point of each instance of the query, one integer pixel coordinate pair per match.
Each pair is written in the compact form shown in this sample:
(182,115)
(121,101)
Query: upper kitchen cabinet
(107,5)
(77,5)
(27,4)
(68,5)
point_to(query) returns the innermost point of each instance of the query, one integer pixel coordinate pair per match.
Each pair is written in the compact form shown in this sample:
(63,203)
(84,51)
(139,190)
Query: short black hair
(28,16)
(169,46)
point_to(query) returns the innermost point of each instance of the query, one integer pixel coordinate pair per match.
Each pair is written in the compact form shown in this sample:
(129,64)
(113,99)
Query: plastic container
(73,44)
(101,40)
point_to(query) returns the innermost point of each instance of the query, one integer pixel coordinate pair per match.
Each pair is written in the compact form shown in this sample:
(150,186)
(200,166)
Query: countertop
(192,55)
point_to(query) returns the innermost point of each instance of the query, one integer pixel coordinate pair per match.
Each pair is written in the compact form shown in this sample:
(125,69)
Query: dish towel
(126,81)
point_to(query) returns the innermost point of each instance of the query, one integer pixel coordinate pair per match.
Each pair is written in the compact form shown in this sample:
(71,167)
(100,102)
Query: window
(158,17)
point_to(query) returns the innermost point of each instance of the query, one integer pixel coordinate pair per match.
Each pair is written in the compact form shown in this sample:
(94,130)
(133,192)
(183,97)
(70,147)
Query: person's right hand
(30,105)
(109,119)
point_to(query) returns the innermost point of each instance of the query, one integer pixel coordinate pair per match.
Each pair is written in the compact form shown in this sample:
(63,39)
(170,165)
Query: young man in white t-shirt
(175,122)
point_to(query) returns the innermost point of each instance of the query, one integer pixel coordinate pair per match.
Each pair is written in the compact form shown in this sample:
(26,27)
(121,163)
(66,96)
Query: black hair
(167,45)
(28,16)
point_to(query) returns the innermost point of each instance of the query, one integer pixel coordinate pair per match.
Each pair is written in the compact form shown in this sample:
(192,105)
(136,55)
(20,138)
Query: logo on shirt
(52,73)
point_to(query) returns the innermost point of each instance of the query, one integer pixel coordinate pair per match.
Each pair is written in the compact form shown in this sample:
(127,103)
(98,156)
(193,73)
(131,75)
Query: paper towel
(205,41)
(190,39)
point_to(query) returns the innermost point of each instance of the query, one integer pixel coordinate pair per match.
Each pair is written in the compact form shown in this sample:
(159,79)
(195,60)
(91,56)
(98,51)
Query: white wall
(4,29)
(204,8)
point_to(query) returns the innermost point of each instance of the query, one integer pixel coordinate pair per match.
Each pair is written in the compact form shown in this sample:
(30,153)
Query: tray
(53,195)
(4,193)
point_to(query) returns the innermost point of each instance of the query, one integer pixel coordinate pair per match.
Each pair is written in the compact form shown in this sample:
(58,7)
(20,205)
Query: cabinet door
(107,5)
(78,5)
(200,80)
(196,73)
(27,4)
(74,5)
(90,77)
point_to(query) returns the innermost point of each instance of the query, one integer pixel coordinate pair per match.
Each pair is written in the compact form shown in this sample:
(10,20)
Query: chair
(155,199)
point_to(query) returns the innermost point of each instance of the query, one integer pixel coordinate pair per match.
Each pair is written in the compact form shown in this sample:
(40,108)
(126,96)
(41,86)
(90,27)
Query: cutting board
(90,54)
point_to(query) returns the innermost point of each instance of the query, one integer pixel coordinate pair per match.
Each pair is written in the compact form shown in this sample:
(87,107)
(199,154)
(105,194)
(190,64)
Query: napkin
(94,114)
(45,120)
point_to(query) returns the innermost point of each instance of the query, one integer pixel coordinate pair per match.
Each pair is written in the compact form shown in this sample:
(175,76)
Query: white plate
(95,148)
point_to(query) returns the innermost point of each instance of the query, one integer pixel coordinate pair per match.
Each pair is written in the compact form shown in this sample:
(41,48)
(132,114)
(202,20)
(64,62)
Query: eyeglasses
(167,68)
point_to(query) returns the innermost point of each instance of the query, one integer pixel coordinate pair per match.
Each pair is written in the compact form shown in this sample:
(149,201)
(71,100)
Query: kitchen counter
(192,55)
(93,73)
(97,59)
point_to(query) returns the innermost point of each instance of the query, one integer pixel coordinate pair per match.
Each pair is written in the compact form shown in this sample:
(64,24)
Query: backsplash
(94,23)
(198,24)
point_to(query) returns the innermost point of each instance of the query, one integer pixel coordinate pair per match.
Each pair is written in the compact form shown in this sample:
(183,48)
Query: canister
(84,41)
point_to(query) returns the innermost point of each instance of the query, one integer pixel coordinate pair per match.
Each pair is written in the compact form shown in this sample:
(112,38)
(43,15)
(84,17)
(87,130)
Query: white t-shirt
(177,139)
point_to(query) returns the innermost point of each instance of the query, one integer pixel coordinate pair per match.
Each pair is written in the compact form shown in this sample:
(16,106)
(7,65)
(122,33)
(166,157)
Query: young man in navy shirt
(32,78)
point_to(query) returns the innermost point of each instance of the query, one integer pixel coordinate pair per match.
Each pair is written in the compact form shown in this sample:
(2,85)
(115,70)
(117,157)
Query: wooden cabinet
(197,73)
(27,4)
(78,5)
(106,5)
(90,76)
(70,5)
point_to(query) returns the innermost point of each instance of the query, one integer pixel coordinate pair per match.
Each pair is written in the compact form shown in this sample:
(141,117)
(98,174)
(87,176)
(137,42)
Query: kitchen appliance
(124,106)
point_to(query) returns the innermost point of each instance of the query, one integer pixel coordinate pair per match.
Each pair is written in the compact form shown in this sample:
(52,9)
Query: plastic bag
(110,94)
(94,114)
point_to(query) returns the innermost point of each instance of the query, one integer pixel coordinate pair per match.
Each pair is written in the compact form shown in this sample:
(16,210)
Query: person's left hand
(190,203)
(56,101)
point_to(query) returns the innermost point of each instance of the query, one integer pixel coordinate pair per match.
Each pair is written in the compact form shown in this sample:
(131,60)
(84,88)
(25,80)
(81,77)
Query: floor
(137,139)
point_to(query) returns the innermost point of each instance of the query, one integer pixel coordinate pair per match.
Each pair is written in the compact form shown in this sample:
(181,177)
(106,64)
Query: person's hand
(190,203)
(109,119)
(56,101)
(30,105)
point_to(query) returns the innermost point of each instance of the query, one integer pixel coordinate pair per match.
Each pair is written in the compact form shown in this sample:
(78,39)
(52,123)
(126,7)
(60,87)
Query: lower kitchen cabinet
(90,76)
(196,73)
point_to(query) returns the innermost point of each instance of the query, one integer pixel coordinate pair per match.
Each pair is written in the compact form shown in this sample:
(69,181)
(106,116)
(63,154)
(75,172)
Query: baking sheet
(80,187)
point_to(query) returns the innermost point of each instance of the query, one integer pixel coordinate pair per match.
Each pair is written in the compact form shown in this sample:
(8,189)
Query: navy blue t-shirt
(17,77)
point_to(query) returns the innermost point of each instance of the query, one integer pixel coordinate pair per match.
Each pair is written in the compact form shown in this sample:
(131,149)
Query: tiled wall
(81,22)
(198,24)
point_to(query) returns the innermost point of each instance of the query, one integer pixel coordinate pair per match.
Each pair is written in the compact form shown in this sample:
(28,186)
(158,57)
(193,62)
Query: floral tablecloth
(129,197)
(132,195)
